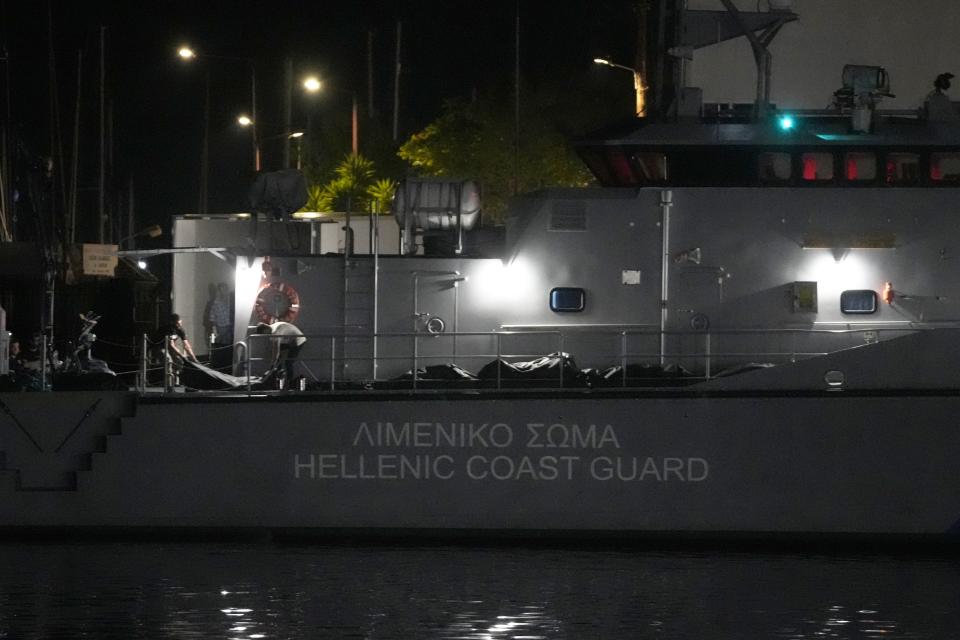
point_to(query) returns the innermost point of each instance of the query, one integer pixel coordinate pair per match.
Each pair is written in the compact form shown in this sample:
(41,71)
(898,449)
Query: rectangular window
(775,166)
(565,299)
(858,301)
(650,166)
(817,166)
(945,167)
(902,168)
(860,166)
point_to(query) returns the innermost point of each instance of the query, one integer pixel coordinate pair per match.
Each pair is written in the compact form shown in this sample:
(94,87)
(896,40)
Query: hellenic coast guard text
(492,452)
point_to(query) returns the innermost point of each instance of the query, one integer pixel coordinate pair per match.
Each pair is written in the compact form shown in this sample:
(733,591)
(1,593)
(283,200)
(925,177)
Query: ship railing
(689,356)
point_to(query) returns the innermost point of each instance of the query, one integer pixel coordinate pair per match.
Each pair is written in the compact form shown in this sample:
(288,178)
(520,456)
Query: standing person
(165,338)
(219,321)
(286,347)
(938,105)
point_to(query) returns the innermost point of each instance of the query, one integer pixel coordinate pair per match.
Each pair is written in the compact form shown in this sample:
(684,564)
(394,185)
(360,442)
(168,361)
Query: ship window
(902,168)
(775,166)
(650,166)
(621,168)
(563,299)
(860,166)
(817,166)
(858,301)
(945,167)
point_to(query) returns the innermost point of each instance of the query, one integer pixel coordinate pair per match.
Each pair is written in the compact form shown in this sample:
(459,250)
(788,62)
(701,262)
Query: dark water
(138,590)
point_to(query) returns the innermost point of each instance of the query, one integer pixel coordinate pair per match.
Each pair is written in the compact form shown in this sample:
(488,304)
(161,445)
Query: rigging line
(87,414)
(7,410)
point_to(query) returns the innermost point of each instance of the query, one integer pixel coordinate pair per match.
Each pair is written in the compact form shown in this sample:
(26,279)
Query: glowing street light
(244,121)
(638,86)
(187,54)
(313,84)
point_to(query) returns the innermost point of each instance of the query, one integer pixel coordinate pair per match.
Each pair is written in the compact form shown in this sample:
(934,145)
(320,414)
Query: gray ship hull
(750,463)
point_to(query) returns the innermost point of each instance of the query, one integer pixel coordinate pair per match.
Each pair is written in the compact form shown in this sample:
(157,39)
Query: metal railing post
(333,363)
(416,359)
(144,348)
(707,350)
(499,363)
(623,358)
(246,357)
(167,371)
(562,357)
(43,363)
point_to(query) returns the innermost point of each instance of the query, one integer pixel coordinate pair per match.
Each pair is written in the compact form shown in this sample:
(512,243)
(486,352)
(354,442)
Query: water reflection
(247,592)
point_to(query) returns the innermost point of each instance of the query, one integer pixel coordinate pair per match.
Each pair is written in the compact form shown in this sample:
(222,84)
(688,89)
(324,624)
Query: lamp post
(246,121)
(298,136)
(188,54)
(638,86)
(153,231)
(312,84)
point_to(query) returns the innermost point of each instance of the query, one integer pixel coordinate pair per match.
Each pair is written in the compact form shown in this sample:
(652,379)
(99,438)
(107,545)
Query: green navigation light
(786,123)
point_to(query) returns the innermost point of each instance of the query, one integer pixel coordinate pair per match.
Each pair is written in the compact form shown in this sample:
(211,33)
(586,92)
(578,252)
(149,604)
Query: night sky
(449,49)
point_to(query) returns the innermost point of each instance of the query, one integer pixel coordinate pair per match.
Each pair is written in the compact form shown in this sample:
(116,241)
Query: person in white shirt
(286,346)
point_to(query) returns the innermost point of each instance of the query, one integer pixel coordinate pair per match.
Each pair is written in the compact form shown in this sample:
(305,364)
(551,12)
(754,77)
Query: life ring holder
(293,302)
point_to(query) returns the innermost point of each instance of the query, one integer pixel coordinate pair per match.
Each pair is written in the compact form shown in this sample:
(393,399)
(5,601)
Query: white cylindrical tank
(433,203)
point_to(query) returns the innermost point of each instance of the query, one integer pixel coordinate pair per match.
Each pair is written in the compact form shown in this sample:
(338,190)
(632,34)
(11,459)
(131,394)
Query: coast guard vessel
(750,328)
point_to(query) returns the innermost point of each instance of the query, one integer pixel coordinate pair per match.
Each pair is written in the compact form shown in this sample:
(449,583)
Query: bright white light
(312,84)
(244,121)
(851,271)
(142,264)
(247,282)
(186,53)
(296,134)
(496,283)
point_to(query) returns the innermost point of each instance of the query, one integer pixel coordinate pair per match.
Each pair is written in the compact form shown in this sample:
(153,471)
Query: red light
(888,293)
(851,168)
(809,168)
(935,172)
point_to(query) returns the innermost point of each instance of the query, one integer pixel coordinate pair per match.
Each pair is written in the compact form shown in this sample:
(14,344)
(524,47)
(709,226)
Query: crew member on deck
(165,337)
(938,105)
(286,346)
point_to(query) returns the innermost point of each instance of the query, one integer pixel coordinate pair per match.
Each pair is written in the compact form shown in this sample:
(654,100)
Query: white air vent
(568,216)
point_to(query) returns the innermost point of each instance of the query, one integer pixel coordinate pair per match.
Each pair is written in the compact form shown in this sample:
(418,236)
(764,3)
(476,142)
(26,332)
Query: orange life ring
(267,298)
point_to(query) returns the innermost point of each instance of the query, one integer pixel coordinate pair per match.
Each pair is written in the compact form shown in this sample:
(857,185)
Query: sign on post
(99,259)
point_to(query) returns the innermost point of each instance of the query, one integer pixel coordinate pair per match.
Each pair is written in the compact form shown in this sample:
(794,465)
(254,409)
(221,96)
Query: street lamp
(153,231)
(313,84)
(638,86)
(189,54)
(298,136)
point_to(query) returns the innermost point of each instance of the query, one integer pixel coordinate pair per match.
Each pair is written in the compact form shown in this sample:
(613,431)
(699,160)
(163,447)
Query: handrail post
(44,363)
(143,364)
(246,357)
(562,357)
(499,363)
(707,355)
(623,358)
(416,359)
(333,363)
(167,368)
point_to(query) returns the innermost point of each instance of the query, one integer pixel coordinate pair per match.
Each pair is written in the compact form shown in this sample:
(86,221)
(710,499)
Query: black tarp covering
(554,370)
(638,375)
